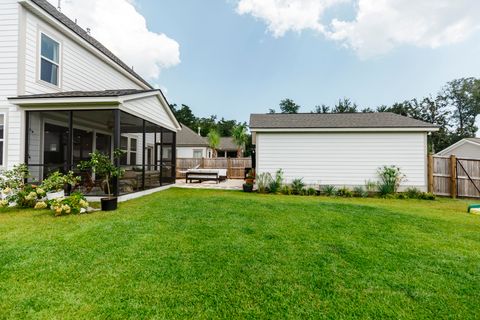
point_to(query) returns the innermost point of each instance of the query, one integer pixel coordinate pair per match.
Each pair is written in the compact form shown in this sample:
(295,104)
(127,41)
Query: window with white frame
(2,138)
(197,153)
(49,60)
(129,148)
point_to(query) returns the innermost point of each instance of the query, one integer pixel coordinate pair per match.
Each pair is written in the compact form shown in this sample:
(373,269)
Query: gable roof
(335,121)
(188,138)
(62,18)
(226,143)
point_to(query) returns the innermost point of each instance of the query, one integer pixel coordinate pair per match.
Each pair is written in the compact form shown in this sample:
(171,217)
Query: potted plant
(102,166)
(250,178)
(54,184)
(247,187)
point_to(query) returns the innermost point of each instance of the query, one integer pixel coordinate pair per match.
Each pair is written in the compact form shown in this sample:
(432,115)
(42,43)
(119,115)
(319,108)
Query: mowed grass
(218,254)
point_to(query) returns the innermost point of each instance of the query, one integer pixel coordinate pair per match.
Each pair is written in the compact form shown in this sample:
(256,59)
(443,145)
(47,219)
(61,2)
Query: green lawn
(218,254)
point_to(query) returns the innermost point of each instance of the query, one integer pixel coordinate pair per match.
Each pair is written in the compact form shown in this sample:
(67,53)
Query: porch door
(164,162)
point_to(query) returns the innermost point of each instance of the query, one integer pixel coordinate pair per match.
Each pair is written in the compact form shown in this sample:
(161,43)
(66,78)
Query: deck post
(453,176)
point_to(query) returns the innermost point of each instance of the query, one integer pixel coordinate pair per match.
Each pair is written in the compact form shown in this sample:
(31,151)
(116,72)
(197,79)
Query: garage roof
(335,121)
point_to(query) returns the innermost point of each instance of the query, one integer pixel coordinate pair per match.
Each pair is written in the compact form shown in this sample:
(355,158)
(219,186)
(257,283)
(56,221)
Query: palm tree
(240,137)
(213,138)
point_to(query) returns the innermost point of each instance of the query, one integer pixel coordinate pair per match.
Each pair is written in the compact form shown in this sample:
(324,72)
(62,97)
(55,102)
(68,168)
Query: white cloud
(287,15)
(378,26)
(381,25)
(123,30)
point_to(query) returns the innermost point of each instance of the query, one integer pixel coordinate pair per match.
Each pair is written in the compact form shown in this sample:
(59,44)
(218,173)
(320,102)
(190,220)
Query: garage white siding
(342,159)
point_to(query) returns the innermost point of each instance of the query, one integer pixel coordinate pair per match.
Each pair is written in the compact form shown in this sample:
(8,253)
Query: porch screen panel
(47,143)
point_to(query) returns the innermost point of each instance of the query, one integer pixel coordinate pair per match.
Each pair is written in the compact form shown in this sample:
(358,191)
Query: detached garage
(344,149)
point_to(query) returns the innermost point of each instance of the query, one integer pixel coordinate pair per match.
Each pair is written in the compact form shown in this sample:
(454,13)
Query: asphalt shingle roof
(335,120)
(50,9)
(85,94)
(187,137)
(226,143)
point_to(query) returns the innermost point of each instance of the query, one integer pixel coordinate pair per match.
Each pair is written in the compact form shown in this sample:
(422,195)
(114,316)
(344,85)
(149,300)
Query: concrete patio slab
(230,184)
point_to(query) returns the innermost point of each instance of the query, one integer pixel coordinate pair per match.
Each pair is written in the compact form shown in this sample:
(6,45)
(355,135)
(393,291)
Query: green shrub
(413,193)
(57,181)
(275,184)
(360,192)
(74,204)
(402,196)
(263,182)
(427,196)
(329,190)
(390,179)
(286,190)
(311,191)
(344,192)
(297,186)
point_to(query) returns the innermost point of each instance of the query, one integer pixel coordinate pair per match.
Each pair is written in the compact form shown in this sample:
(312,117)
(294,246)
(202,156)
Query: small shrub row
(390,178)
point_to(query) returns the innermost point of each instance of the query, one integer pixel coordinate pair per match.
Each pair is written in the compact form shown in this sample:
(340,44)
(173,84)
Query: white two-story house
(64,95)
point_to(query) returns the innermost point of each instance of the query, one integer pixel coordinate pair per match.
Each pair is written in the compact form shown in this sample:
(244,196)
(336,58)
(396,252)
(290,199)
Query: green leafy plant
(427,196)
(413,193)
(14,178)
(263,180)
(286,190)
(102,165)
(344,192)
(26,197)
(213,138)
(390,179)
(297,186)
(360,192)
(329,190)
(311,191)
(240,137)
(57,181)
(276,183)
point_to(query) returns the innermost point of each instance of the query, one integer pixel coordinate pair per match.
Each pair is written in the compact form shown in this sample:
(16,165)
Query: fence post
(202,163)
(453,176)
(229,168)
(430,173)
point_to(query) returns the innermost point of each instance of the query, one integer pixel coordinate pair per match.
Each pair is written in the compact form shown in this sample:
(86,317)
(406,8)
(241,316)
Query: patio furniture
(201,175)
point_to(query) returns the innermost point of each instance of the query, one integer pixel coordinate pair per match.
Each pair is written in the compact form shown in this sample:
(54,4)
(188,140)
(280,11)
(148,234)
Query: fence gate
(454,177)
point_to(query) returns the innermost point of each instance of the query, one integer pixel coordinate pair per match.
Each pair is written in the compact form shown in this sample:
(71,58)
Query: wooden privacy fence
(454,177)
(235,166)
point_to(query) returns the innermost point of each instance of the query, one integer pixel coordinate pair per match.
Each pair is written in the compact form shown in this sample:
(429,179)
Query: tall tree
(240,137)
(289,106)
(462,97)
(213,138)
(345,105)
(184,114)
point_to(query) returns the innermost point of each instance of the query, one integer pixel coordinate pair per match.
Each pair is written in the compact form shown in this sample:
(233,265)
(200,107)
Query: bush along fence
(235,166)
(389,180)
(454,177)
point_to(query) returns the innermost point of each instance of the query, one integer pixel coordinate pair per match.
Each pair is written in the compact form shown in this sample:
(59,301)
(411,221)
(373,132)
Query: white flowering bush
(74,204)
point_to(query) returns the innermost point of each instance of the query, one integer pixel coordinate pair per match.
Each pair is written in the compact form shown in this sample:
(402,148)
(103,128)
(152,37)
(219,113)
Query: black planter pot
(109,204)
(247,187)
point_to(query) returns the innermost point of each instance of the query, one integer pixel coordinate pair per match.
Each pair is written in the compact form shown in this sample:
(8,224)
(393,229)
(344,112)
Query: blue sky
(235,64)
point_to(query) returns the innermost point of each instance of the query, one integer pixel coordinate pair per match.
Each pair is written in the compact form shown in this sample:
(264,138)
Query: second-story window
(49,60)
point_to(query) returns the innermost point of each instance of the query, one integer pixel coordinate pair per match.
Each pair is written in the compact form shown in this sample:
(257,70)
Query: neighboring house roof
(335,120)
(83,94)
(473,141)
(51,10)
(227,144)
(188,138)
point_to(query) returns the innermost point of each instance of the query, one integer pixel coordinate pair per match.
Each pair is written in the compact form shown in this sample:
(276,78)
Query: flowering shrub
(75,204)
(27,197)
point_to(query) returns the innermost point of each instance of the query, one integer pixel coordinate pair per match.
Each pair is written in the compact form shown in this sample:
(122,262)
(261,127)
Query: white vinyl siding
(189,152)
(81,70)
(465,150)
(150,109)
(342,159)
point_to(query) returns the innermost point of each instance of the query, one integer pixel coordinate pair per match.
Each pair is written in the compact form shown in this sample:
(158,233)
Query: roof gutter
(385,129)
